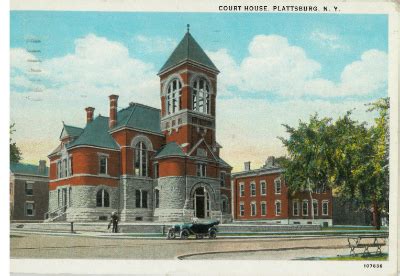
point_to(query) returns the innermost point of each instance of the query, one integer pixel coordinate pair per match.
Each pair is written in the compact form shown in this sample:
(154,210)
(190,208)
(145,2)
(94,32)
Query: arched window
(141,159)
(102,198)
(174,93)
(201,96)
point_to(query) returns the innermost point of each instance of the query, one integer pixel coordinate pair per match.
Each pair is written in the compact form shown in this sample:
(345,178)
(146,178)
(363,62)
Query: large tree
(15,152)
(345,155)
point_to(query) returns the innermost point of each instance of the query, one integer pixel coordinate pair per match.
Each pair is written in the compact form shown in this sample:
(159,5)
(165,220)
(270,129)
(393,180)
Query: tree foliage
(15,152)
(345,155)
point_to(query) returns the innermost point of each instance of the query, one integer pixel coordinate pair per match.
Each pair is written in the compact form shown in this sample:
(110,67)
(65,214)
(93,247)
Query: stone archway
(203,199)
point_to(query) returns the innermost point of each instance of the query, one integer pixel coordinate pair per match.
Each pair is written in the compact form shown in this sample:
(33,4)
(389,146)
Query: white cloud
(154,44)
(97,68)
(329,41)
(274,66)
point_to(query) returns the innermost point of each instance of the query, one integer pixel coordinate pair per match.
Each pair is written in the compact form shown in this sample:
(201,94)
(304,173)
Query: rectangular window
(277,186)
(157,198)
(241,209)
(144,199)
(70,166)
(138,198)
(222,178)
(263,187)
(278,207)
(65,168)
(253,189)
(29,188)
(59,172)
(253,208)
(325,205)
(263,208)
(29,209)
(241,187)
(103,165)
(295,208)
(201,169)
(156,174)
(305,208)
(315,207)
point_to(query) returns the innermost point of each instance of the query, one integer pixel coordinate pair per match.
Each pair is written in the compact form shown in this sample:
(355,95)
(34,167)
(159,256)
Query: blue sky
(306,63)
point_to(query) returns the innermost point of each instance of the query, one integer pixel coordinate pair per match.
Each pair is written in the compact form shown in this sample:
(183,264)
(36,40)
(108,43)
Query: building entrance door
(201,203)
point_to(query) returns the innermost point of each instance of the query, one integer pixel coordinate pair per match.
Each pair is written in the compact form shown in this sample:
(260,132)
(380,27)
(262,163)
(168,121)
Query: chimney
(270,161)
(89,114)
(247,166)
(113,111)
(42,167)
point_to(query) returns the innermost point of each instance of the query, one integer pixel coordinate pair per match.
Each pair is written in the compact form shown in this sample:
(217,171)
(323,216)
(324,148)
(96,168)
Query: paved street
(49,246)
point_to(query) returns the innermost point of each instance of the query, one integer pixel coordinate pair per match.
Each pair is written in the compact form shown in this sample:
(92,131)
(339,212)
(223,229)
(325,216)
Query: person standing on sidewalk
(114,222)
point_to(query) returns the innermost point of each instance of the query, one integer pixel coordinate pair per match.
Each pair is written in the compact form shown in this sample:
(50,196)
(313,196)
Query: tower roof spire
(188,50)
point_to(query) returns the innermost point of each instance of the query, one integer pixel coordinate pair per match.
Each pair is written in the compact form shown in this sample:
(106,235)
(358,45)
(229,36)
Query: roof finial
(188,27)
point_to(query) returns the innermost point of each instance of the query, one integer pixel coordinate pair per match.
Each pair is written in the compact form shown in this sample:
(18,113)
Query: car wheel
(212,234)
(184,234)
(171,235)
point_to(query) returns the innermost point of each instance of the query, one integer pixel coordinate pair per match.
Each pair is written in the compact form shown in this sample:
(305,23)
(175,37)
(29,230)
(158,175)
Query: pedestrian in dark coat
(114,221)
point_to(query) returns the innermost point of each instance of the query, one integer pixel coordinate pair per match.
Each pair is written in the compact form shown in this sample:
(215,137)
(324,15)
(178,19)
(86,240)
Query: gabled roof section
(139,116)
(223,163)
(70,131)
(21,168)
(188,50)
(95,134)
(170,149)
(207,148)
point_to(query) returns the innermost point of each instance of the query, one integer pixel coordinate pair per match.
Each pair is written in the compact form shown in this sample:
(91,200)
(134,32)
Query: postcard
(203,138)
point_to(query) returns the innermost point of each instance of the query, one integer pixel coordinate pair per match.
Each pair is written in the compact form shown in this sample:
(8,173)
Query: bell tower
(188,90)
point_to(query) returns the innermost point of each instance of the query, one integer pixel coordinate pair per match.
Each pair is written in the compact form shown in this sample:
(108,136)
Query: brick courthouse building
(146,163)
(262,195)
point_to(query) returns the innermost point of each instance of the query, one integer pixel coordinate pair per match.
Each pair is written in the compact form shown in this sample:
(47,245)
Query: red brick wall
(270,197)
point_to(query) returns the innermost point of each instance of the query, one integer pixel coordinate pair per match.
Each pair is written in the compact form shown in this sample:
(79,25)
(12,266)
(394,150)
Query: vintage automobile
(199,229)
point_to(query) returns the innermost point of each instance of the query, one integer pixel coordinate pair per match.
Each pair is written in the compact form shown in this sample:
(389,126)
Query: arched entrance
(201,203)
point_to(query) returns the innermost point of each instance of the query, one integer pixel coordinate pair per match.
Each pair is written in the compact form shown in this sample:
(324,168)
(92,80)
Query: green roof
(140,117)
(170,149)
(96,134)
(188,50)
(223,163)
(22,168)
(71,131)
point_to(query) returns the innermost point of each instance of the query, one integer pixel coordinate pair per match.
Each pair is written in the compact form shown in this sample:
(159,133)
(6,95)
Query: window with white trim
(278,207)
(296,206)
(241,188)
(141,159)
(263,187)
(157,198)
(102,164)
(102,198)
(325,207)
(65,167)
(201,169)
(70,172)
(29,208)
(253,189)
(241,209)
(201,95)
(304,209)
(222,178)
(315,207)
(253,207)
(59,171)
(141,199)
(28,188)
(278,186)
(174,94)
(263,208)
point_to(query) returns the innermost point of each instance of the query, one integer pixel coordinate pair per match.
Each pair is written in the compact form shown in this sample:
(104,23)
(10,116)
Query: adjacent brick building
(262,195)
(147,163)
(29,191)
